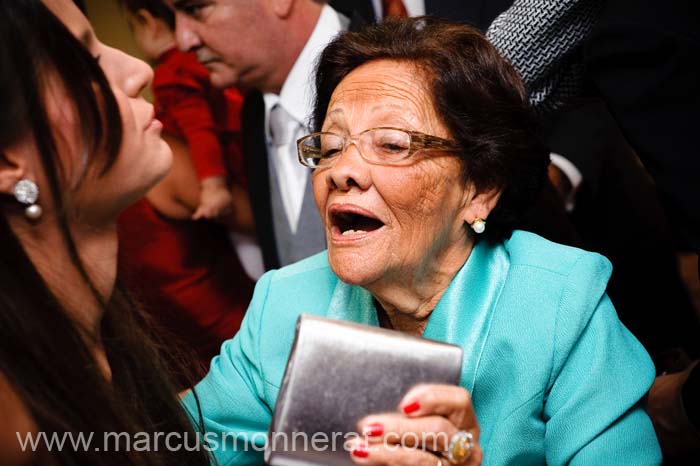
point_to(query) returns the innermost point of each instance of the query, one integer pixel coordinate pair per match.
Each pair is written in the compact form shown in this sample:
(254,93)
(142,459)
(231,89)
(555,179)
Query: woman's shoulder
(299,287)
(316,265)
(528,250)
(565,284)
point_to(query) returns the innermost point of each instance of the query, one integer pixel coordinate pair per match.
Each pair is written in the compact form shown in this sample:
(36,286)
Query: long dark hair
(477,93)
(43,354)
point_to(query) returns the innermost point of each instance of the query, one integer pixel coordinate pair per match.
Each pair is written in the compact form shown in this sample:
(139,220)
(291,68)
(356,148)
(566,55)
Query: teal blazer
(554,376)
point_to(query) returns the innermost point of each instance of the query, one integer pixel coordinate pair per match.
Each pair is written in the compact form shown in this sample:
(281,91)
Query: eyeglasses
(382,146)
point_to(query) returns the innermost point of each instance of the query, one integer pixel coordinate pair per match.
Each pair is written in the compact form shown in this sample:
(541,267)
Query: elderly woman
(423,161)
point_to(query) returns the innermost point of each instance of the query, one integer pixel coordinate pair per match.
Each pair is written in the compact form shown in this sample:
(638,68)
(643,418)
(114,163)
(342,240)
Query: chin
(157,169)
(166,159)
(223,80)
(160,163)
(354,268)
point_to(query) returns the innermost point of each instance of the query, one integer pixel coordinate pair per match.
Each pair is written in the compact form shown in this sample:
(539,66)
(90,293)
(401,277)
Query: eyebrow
(180,3)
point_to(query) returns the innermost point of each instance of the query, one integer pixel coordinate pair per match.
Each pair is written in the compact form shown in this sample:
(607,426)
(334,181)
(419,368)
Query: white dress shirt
(296,97)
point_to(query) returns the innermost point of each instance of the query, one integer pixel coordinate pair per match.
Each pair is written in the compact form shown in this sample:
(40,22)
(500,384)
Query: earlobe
(479,207)
(282,8)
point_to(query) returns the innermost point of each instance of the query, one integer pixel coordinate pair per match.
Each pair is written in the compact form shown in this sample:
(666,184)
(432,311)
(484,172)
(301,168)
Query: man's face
(232,38)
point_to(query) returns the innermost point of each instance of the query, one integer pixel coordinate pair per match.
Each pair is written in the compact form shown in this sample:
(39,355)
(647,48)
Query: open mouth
(348,223)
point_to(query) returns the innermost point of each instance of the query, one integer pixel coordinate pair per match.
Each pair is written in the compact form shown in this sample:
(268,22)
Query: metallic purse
(337,373)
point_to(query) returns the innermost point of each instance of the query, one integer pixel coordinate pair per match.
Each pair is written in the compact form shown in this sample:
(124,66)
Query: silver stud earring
(479,225)
(27,192)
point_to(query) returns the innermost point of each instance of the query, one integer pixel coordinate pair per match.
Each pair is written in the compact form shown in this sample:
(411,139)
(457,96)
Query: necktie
(279,125)
(394,8)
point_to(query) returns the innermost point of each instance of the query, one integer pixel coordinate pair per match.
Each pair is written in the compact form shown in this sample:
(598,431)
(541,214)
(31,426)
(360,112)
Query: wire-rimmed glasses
(382,146)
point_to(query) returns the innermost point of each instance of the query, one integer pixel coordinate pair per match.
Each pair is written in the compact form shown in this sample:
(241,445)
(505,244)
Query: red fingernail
(411,408)
(360,451)
(373,430)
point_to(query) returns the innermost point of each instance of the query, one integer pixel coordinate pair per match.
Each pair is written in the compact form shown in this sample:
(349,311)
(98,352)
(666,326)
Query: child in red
(186,272)
(188,105)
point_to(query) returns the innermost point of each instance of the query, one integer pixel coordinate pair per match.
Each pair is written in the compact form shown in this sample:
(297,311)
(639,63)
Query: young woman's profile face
(144,158)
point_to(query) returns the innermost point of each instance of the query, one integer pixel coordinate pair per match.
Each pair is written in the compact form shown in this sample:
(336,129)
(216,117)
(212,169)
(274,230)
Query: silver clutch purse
(337,373)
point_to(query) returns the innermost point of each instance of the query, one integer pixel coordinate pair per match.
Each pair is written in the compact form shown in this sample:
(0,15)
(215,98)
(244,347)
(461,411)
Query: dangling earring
(27,193)
(478,225)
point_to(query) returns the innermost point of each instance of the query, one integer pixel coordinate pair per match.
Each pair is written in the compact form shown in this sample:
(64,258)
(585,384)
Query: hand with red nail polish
(412,407)
(360,451)
(373,430)
(425,422)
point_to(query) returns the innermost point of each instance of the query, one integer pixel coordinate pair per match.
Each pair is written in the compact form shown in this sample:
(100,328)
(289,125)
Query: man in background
(268,48)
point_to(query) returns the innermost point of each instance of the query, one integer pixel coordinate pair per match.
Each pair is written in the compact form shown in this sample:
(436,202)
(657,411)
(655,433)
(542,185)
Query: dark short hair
(157,8)
(477,94)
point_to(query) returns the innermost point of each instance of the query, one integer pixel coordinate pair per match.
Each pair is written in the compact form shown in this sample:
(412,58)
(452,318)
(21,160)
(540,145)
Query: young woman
(77,145)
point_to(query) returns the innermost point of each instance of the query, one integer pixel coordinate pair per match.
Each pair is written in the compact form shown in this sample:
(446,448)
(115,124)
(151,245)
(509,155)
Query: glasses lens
(386,145)
(317,150)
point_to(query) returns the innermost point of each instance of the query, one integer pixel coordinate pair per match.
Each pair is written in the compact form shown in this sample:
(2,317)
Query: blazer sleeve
(234,412)
(600,374)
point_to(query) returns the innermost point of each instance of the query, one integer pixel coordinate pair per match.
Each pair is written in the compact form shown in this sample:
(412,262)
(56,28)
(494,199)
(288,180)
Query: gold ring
(461,446)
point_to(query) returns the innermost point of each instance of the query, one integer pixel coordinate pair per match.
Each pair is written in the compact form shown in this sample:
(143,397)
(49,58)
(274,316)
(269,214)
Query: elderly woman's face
(385,223)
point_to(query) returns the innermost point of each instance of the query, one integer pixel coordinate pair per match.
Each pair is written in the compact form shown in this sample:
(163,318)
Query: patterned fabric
(542,39)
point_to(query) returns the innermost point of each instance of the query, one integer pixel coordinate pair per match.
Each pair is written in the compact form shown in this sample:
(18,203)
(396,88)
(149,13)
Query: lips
(352,222)
(206,60)
(151,121)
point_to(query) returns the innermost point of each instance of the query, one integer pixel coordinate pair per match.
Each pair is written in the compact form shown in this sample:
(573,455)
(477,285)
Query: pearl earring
(27,192)
(478,225)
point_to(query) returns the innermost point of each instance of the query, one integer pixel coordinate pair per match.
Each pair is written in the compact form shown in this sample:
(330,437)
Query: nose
(133,75)
(185,33)
(350,170)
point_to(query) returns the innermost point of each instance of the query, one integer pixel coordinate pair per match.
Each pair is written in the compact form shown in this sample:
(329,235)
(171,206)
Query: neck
(295,32)
(97,249)
(409,298)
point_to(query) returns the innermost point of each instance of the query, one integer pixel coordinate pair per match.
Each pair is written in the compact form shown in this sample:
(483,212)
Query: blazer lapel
(352,303)
(464,313)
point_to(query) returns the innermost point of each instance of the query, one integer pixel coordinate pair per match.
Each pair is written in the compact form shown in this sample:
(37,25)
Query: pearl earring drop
(27,192)
(478,225)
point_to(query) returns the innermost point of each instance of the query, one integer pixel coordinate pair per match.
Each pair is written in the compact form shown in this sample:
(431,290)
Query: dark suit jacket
(642,58)
(479,13)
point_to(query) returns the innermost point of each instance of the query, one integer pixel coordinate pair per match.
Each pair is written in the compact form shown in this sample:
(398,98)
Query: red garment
(207,119)
(186,274)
